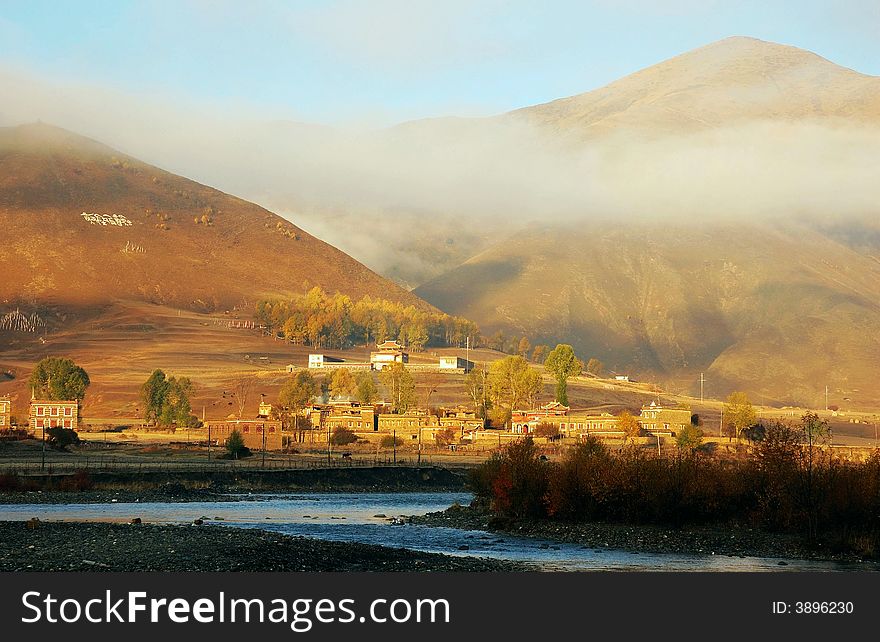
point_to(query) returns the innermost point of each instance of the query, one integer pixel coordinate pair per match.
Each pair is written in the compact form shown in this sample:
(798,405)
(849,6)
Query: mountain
(780,305)
(781,310)
(85,225)
(733,80)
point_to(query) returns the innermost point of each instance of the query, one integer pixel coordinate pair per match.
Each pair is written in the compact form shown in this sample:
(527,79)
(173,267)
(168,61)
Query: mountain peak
(733,79)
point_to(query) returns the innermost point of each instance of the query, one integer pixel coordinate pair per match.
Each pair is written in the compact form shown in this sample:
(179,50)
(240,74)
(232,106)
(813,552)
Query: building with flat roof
(5,414)
(53,414)
(657,418)
(255,433)
(456,363)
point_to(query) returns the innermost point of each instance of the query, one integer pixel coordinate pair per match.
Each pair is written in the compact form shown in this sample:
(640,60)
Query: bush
(61,438)
(515,480)
(445,437)
(786,483)
(548,430)
(342,437)
(390,441)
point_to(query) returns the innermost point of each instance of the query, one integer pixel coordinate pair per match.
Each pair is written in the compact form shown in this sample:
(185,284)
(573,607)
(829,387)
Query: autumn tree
(595,367)
(400,386)
(476,385)
(524,347)
(512,382)
(629,425)
(547,430)
(59,379)
(294,396)
(445,437)
(366,390)
(540,353)
(342,383)
(739,412)
(342,436)
(563,364)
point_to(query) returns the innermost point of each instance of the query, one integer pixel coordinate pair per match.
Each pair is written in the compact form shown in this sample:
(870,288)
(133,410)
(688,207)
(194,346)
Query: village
(326,422)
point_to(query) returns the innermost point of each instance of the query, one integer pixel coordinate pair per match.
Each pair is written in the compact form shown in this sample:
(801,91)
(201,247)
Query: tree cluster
(59,379)
(166,400)
(335,321)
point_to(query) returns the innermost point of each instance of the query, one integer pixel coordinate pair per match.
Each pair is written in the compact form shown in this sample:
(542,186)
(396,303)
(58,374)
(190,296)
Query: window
(40,410)
(54,411)
(68,411)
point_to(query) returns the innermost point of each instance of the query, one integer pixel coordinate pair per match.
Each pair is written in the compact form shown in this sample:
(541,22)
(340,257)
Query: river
(365,518)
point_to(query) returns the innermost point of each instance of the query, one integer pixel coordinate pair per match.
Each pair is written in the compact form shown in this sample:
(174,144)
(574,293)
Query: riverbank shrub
(785,483)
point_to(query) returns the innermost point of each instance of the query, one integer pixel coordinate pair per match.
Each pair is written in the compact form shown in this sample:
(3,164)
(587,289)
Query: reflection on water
(365,518)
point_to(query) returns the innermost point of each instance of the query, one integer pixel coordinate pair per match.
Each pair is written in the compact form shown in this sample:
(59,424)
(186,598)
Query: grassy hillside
(778,310)
(176,242)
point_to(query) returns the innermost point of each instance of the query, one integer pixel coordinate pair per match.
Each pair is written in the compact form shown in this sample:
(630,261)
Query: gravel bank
(69,546)
(732,541)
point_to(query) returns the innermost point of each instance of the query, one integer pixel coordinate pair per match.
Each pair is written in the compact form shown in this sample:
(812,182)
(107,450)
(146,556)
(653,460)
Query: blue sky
(391,60)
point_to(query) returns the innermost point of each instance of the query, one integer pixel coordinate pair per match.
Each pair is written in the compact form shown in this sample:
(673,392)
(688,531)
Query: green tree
(366,390)
(166,400)
(153,396)
(689,438)
(400,385)
(59,379)
(342,383)
(294,396)
(562,364)
(739,412)
(235,448)
(512,381)
(596,367)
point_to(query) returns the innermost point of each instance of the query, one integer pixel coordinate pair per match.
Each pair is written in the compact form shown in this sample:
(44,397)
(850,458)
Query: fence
(254,463)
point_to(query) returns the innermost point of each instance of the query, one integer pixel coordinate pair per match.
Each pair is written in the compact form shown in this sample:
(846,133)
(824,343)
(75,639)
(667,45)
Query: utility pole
(826,398)
(721,423)
(394,438)
(702,380)
(209,433)
(263,429)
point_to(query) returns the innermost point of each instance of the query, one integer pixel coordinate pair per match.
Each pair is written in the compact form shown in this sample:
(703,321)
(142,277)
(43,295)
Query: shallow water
(356,517)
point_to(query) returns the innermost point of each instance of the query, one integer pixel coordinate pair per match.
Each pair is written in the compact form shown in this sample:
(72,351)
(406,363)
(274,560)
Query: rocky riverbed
(732,540)
(73,546)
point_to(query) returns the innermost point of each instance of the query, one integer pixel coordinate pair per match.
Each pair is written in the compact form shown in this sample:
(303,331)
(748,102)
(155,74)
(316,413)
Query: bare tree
(241,390)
